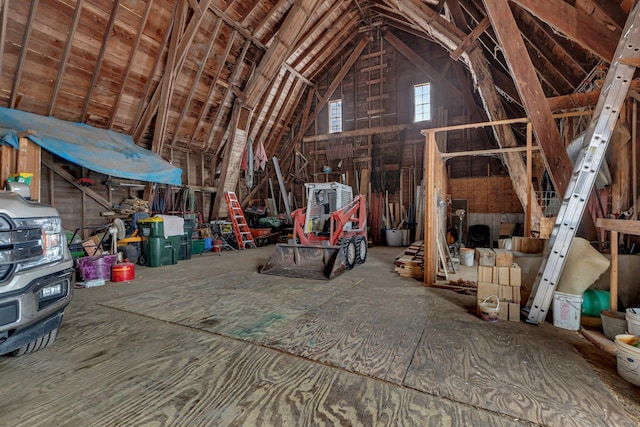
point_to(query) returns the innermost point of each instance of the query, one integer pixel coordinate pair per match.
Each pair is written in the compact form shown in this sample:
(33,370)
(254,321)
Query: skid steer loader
(329,235)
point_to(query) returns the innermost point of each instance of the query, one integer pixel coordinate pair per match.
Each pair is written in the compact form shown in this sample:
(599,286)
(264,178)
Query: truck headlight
(52,240)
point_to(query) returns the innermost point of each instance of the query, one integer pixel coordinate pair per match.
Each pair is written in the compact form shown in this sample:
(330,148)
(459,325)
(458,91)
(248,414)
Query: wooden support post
(430,206)
(527,219)
(634,159)
(613,286)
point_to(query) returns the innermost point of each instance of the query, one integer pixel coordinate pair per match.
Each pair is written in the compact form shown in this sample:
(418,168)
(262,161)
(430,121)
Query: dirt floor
(210,341)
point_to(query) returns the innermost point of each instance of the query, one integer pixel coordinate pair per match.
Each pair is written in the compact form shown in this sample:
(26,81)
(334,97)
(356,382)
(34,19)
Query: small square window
(422,102)
(335,116)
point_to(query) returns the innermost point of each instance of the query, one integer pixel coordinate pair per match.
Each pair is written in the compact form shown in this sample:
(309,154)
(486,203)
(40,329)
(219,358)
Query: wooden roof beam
(575,25)
(98,66)
(183,49)
(287,80)
(132,53)
(473,35)
(330,51)
(65,56)
(318,24)
(450,37)
(4,13)
(275,9)
(23,54)
(212,39)
(531,94)
(278,51)
(214,134)
(212,86)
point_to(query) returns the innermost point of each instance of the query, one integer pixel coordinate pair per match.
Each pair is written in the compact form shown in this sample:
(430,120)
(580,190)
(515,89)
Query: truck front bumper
(31,312)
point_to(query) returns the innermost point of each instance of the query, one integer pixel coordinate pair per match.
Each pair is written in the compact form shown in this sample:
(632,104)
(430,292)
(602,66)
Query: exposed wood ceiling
(169,72)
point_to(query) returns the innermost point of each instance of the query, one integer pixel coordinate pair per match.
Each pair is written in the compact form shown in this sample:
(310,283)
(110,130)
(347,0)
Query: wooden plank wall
(26,159)
(486,194)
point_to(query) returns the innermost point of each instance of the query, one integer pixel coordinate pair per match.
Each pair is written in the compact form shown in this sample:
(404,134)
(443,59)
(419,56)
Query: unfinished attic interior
(305,212)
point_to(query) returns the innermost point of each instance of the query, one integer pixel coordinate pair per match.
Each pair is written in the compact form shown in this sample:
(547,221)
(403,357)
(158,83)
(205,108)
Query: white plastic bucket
(394,237)
(633,320)
(566,311)
(490,308)
(628,358)
(466,256)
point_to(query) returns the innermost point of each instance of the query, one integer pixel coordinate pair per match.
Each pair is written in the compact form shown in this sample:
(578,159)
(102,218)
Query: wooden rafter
(267,19)
(293,88)
(331,50)
(612,11)
(233,24)
(531,94)
(252,9)
(278,52)
(445,32)
(287,111)
(574,100)
(65,56)
(473,35)
(4,13)
(168,79)
(194,85)
(546,70)
(258,127)
(215,134)
(575,25)
(320,23)
(212,87)
(132,54)
(23,54)
(183,49)
(139,127)
(98,66)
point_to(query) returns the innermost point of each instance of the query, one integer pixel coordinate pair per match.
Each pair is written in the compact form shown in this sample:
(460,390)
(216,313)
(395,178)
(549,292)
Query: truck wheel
(38,344)
(361,249)
(351,256)
(129,252)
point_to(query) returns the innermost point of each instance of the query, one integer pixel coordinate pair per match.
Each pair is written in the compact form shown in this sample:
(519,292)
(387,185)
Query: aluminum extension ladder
(241,230)
(586,168)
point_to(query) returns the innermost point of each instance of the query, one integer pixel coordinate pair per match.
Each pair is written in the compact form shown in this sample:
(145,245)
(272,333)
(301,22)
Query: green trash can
(156,250)
(186,242)
(176,245)
(151,227)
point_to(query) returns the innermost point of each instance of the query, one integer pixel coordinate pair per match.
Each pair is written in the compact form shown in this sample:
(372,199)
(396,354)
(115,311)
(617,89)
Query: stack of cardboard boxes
(499,276)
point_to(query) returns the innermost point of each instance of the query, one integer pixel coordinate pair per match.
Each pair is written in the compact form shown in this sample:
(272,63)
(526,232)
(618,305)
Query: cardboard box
(504,258)
(501,275)
(92,246)
(485,274)
(516,294)
(514,312)
(515,275)
(505,293)
(503,314)
(486,289)
(486,257)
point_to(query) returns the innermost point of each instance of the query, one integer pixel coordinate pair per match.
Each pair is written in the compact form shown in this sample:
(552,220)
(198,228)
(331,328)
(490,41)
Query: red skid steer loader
(329,235)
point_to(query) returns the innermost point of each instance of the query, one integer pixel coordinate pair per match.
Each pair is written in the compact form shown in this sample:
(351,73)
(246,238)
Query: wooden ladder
(239,223)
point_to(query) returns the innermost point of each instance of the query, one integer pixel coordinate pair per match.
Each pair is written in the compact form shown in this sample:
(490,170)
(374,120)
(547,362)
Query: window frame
(335,118)
(419,107)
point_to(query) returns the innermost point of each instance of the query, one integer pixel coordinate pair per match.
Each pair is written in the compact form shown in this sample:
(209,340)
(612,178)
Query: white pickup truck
(36,274)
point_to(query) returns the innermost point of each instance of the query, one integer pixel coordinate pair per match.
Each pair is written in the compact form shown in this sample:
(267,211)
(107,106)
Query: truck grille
(17,245)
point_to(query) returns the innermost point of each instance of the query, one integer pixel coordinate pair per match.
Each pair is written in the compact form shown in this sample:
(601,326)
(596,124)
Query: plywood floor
(212,342)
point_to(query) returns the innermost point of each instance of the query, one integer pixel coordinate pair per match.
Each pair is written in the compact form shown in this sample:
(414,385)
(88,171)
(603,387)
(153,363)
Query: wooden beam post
(531,93)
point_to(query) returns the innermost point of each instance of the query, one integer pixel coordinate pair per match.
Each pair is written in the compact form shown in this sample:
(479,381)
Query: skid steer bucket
(306,261)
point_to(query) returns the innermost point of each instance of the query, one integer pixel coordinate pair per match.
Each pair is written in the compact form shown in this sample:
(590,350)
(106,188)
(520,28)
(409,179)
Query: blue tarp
(99,150)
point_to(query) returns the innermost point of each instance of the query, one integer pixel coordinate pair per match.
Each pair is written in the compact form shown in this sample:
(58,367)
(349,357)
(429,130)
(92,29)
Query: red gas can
(123,272)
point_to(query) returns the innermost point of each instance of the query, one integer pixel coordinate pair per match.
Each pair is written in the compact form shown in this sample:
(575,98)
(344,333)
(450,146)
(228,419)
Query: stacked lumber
(498,275)
(411,262)
(528,245)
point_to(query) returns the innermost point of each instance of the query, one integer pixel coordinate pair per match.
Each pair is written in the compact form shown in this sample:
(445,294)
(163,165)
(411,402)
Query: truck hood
(15,206)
